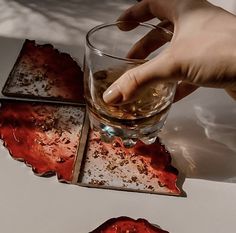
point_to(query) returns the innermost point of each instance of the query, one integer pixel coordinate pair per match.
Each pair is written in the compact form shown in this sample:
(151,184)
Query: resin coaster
(143,168)
(54,138)
(44,136)
(127,225)
(42,72)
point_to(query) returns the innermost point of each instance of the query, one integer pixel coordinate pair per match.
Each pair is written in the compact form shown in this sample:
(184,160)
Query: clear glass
(105,61)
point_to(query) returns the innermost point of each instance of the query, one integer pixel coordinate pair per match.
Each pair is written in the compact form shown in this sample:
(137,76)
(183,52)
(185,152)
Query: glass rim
(105,25)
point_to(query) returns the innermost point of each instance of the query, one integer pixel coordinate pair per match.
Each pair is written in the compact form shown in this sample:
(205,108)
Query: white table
(200,132)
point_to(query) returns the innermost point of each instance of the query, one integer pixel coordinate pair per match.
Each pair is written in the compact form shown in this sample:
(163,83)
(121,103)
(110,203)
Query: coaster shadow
(203,147)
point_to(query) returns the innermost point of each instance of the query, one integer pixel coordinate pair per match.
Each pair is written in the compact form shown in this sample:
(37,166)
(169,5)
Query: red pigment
(33,134)
(154,158)
(158,160)
(127,225)
(43,62)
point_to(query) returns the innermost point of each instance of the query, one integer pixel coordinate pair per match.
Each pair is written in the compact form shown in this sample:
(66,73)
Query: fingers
(140,12)
(159,69)
(167,25)
(152,41)
(184,89)
(148,9)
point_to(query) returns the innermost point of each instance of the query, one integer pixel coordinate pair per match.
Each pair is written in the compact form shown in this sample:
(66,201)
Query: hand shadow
(204,146)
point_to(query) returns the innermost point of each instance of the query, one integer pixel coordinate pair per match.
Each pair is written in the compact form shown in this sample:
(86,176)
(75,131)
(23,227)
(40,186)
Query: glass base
(129,135)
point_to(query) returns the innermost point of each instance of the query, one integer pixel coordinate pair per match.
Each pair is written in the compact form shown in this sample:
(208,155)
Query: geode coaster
(143,168)
(42,72)
(55,138)
(127,225)
(44,136)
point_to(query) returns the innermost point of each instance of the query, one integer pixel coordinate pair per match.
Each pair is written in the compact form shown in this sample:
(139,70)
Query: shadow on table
(204,146)
(65,21)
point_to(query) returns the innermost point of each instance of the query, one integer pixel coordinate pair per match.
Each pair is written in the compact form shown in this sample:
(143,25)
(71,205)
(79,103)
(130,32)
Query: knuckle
(129,84)
(132,78)
(129,13)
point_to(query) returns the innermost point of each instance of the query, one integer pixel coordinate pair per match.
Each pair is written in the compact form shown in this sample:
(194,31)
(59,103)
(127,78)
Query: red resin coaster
(44,136)
(145,168)
(43,72)
(127,225)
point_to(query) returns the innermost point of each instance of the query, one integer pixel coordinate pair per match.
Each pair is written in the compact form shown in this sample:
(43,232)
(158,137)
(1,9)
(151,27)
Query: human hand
(202,51)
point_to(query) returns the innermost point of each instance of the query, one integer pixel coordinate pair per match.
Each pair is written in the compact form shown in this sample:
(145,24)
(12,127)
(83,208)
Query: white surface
(201,131)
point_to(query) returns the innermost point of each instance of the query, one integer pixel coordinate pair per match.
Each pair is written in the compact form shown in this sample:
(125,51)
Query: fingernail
(112,95)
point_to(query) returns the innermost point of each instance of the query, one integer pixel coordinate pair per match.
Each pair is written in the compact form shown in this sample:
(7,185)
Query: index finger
(146,10)
(140,12)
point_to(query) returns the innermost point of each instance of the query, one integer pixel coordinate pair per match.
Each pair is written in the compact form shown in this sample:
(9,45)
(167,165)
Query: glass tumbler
(106,60)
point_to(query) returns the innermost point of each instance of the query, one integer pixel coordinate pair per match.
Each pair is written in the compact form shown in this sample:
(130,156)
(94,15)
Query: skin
(202,51)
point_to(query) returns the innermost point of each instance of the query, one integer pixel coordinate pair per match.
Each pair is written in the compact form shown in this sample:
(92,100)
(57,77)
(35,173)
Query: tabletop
(200,133)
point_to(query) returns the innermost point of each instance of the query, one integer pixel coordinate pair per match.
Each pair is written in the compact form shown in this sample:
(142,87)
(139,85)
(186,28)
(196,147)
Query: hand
(202,51)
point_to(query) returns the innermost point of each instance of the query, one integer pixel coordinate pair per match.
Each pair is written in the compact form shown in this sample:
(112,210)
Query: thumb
(161,68)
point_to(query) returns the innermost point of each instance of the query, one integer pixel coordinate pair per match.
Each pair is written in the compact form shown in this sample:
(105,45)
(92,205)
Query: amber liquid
(148,104)
(147,108)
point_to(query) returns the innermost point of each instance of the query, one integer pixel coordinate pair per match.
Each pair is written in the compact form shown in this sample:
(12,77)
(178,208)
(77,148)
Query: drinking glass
(106,60)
